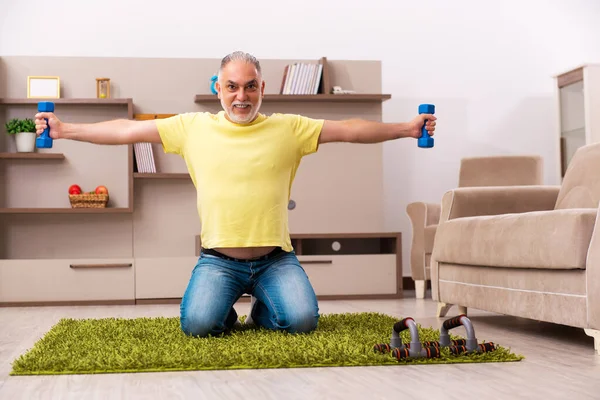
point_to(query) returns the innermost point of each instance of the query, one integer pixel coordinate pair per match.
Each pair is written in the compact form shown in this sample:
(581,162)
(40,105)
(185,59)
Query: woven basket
(88,200)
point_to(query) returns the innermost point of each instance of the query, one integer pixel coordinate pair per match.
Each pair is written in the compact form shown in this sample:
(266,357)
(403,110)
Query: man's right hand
(56,126)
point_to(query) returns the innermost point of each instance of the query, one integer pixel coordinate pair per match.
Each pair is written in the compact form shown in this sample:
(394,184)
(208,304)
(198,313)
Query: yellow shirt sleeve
(174,130)
(308,131)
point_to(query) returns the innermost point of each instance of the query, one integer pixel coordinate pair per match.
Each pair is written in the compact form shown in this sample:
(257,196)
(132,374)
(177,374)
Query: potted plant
(24,132)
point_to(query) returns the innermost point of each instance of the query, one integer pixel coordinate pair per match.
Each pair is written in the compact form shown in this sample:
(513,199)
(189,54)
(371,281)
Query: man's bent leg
(207,305)
(285,299)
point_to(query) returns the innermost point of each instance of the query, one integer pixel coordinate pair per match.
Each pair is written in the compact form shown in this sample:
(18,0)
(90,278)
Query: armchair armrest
(424,214)
(592,271)
(494,200)
(421,215)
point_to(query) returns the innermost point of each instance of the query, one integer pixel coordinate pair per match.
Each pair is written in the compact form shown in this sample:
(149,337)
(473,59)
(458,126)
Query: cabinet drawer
(163,277)
(66,280)
(359,274)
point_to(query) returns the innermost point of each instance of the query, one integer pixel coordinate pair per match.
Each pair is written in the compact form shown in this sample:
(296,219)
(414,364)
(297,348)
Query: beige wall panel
(165,218)
(48,236)
(162,277)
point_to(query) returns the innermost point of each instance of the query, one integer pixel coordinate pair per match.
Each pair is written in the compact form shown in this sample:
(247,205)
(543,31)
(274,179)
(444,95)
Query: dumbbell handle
(403,324)
(453,322)
(481,348)
(425,141)
(44,140)
(425,352)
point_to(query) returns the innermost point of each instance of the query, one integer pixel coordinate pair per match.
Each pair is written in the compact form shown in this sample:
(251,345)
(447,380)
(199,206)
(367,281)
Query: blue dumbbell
(425,140)
(44,141)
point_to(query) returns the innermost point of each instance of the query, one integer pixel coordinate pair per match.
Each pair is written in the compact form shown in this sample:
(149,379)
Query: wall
(487,66)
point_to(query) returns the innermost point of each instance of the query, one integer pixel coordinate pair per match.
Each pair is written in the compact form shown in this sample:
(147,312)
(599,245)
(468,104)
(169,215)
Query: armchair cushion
(581,187)
(557,239)
(501,170)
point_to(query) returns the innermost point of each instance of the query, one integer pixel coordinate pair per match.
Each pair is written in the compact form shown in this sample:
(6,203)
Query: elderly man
(242,164)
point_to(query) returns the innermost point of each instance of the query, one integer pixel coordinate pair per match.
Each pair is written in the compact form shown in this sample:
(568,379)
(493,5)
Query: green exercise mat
(117,345)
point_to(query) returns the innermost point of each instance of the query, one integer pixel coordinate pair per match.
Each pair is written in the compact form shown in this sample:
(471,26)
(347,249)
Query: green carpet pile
(90,346)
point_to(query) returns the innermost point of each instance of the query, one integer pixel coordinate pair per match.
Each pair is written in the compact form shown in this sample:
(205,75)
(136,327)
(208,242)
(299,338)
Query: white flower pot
(25,142)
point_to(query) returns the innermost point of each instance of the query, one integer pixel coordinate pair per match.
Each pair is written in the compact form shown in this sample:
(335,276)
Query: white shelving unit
(578,98)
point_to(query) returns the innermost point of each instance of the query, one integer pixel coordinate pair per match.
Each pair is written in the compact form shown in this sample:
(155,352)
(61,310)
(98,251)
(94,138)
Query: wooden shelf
(331,98)
(64,210)
(161,175)
(74,101)
(32,156)
(348,235)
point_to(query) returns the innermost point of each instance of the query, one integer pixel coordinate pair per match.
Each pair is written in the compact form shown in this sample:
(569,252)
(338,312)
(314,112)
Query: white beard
(238,119)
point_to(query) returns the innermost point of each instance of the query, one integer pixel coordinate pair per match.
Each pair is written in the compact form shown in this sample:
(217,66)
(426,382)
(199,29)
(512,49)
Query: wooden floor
(560,364)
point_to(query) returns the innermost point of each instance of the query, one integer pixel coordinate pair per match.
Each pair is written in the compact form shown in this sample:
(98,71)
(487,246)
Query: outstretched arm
(364,131)
(119,131)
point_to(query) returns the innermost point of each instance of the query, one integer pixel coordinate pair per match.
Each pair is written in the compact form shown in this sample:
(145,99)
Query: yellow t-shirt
(243,173)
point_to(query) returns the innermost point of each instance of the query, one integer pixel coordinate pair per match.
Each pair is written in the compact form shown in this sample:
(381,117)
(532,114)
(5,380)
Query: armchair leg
(443,309)
(420,288)
(596,335)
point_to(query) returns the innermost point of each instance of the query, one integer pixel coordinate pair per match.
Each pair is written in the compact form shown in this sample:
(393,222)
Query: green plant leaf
(17,125)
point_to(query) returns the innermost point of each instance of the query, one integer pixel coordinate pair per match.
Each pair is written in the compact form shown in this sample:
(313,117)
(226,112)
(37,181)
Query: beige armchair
(474,171)
(531,252)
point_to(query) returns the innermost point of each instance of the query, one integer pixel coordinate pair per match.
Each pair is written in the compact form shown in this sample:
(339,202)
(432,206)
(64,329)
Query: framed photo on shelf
(43,87)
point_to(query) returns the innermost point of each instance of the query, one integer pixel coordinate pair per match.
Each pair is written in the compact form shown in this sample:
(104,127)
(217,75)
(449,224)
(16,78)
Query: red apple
(101,190)
(74,189)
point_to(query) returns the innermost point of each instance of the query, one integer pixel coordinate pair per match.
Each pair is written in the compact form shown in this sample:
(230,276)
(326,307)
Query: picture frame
(43,87)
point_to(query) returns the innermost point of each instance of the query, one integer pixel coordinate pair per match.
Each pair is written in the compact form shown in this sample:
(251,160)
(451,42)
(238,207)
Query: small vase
(25,142)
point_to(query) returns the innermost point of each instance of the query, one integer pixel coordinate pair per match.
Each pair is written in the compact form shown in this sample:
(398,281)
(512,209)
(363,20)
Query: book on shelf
(144,158)
(301,78)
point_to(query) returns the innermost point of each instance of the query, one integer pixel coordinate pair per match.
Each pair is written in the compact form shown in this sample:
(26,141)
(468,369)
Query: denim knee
(197,326)
(200,324)
(299,321)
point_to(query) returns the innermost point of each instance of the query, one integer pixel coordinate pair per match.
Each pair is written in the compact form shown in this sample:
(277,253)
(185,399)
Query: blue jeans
(285,299)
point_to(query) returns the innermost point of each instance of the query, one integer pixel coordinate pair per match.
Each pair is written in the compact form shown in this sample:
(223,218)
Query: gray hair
(240,56)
